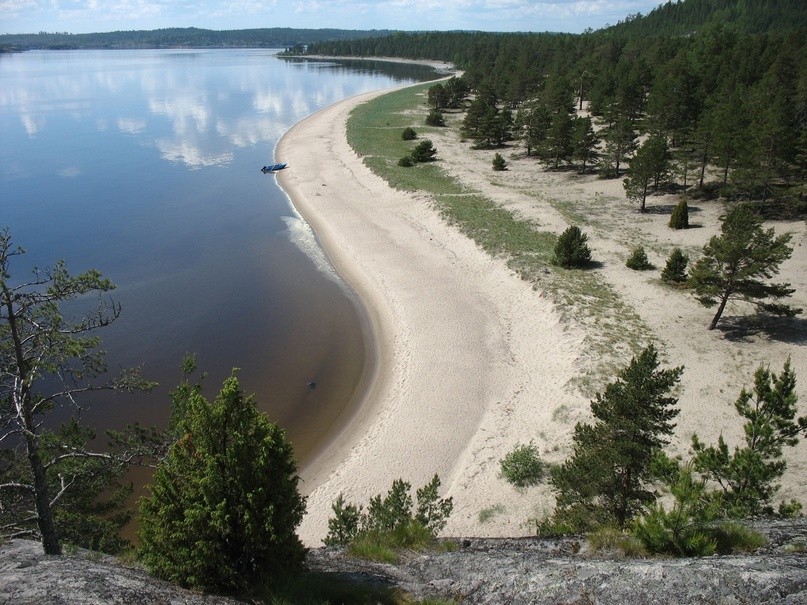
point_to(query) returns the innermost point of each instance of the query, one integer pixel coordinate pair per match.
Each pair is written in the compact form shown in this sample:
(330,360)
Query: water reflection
(145,164)
(198,103)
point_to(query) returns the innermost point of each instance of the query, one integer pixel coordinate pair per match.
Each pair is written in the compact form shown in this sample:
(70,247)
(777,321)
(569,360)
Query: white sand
(470,359)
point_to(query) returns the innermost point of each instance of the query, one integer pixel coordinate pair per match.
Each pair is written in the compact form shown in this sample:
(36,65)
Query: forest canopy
(723,83)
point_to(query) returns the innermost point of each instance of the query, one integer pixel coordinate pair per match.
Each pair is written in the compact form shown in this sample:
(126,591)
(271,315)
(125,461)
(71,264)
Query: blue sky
(81,16)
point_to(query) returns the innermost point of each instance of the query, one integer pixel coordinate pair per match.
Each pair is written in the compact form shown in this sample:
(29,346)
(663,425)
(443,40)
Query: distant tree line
(177,37)
(724,109)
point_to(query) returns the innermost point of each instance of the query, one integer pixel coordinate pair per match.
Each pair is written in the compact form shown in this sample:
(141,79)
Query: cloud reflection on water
(172,102)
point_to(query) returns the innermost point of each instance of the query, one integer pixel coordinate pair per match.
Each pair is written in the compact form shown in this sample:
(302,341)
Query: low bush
(390,522)
(571,250)
(679,219)
(406,161)
(424,152)
(550,527)
(731,538)
(499,162)
(638,260)
(612,539)
(435,118)
(384,545)
(675,271)
(523,466)
(409,134)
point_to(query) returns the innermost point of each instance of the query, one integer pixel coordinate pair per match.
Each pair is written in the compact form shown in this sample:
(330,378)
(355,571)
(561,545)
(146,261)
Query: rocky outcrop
(534,571)
(480,571)
(29,577)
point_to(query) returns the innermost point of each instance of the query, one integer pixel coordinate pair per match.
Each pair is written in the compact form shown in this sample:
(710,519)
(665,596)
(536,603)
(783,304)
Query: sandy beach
(469,359)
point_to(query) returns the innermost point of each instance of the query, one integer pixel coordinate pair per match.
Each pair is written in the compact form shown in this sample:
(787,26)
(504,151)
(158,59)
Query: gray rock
(565,572)
(29,577)
(523,571)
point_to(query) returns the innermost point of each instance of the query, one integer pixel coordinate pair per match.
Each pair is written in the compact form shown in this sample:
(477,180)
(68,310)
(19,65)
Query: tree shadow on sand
(661,209)
(791,330)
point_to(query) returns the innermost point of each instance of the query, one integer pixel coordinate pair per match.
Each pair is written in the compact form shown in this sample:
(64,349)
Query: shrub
(571,249)
(435,118)
(499,163)
(610,539)
(409,134)
(382,545)
(675,270)
(682,531)
(406,161)
(394,509)
(638,260)
(748,476)
(344,525)
(424,152)
(432,511)
(224,504)
(679,219)
(550,527)
(390,517)
(732,538)
(487,513)
(522,467)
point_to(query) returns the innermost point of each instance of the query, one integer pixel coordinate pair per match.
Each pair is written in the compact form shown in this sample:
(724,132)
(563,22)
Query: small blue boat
(273,168)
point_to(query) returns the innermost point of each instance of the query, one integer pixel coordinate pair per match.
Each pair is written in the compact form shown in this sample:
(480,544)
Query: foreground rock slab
(30,577)
(533,571)
(516,571)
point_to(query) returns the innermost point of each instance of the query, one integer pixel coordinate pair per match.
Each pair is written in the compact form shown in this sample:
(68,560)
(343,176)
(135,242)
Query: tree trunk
(720,308)
(44,513)
(704,161)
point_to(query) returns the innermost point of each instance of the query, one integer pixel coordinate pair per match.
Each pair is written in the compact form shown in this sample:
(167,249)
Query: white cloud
(130,126)
(491,15)
(70,172)
(14,7)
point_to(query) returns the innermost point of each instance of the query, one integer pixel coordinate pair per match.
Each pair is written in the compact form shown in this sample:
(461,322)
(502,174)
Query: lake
(146,165)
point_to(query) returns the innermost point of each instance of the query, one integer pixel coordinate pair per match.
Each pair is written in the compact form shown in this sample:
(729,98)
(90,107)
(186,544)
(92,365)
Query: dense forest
(719,110)
(178,37)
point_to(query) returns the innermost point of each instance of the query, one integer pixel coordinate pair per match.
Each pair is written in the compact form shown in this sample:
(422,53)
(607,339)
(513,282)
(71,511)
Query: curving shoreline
(456,337)
(471,359)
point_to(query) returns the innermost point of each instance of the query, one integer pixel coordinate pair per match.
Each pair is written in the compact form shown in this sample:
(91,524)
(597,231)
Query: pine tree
(679,219)
(675,270)
(607,479)
(49,360)
(620,141)
(571,250)
(224,505)
(650,164)
(747,477)
(735,263)
(424,151)
(584,143)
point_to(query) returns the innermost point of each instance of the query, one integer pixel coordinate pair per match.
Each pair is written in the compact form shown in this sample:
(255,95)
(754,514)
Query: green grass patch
(385,546)
(732,538)
(488,513)
(607,539)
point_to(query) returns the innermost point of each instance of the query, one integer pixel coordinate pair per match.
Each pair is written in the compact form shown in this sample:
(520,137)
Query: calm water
(145,165)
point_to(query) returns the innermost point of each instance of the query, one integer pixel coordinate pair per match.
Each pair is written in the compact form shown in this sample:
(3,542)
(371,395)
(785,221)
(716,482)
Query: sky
(84,16)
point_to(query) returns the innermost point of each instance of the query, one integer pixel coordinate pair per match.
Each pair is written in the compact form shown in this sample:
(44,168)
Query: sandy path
(453,329)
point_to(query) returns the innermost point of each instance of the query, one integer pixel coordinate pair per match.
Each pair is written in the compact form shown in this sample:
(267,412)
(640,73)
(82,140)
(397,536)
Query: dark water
(145,165)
